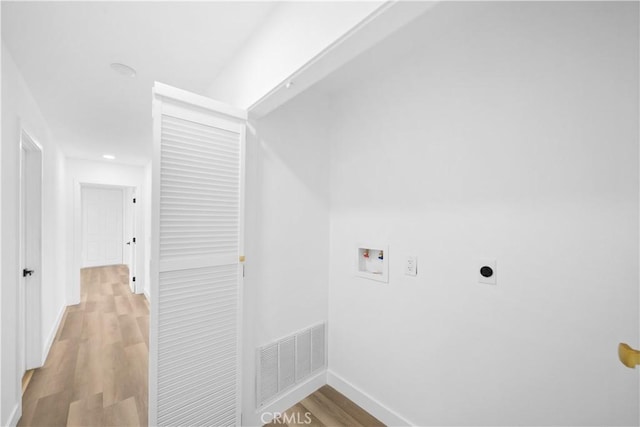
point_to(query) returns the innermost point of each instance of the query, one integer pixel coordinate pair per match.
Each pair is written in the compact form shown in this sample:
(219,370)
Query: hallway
(96,371)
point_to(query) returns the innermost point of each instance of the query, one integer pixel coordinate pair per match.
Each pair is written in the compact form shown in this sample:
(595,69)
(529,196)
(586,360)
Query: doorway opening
(108,229)
(30,255)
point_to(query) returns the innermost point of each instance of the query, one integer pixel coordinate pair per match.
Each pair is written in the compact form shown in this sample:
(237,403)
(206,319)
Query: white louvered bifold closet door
(196,274)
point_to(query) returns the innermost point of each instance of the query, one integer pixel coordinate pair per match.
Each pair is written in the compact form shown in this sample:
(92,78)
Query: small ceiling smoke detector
(109,156)
(288,84)
(123,69)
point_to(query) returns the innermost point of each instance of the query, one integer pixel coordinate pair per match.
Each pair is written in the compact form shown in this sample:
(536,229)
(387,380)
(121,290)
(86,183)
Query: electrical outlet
(487,271)
(411,266)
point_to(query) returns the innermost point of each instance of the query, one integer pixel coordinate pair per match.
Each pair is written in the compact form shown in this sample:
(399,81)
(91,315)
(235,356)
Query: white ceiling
(64,49)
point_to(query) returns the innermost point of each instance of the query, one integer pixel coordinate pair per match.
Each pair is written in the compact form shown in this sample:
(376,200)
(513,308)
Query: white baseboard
(366,401)
(146,295)
(52,334)
(265,414)
(16,413)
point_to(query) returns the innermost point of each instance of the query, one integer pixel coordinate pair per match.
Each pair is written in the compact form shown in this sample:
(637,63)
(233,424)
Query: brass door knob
(628,356)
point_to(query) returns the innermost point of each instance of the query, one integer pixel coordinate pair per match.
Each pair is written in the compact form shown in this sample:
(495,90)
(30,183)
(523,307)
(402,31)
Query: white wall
(501,130)
(97,172)
(287,229)
(292,35)
(20,109)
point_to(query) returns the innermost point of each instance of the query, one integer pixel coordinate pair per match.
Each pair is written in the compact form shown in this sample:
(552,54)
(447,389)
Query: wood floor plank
(130,330)
(110,328)
(299,415)
(90,306)
(355,411)
(123,413)
(138,377)
(92,326)
(88,376)
(28,409)
(52,410)
(122,304)
(86,412)
(276,423)
(327,412)
(143,325)
(119,290)
(56,354)
(35,388)
(115,378)
(106,304)
(72,325)
(139,304)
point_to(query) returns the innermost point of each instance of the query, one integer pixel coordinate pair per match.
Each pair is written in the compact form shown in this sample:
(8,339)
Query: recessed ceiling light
(109,156)
(288,84)
(123,69)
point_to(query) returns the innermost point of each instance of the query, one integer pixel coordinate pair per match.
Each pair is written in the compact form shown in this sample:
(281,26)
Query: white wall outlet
(411,266)
(487,271)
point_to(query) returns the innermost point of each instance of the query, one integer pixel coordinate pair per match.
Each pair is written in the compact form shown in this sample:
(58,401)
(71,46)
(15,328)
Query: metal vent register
(289,361)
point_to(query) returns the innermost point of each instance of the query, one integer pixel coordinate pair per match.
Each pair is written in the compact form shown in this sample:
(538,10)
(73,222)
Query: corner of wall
(385,414)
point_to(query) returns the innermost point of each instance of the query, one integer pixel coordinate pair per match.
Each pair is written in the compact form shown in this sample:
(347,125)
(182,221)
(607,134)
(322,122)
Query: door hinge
(134,200)
(134,278)
(134,240)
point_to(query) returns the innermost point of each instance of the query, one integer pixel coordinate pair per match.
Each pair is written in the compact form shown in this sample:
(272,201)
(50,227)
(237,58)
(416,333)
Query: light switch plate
(487,266)
(411,266)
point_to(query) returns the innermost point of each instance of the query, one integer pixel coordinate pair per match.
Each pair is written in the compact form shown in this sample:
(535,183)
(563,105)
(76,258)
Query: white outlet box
(411,266)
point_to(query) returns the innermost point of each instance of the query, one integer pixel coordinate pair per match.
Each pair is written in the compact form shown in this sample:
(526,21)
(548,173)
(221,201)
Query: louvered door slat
(195,329)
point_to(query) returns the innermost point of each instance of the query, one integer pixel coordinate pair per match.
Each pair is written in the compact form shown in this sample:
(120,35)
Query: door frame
(76,257)
(30,345)
(129,234)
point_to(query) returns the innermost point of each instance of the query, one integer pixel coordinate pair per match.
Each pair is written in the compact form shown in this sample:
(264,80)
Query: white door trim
(30,346)
(76,256)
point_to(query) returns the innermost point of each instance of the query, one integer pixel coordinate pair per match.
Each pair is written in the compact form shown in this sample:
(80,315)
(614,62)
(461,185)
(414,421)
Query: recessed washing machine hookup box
(373,262)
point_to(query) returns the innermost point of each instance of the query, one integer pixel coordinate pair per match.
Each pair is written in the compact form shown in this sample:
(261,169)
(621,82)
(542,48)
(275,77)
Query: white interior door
(31,252)
(102,222)
(194,353)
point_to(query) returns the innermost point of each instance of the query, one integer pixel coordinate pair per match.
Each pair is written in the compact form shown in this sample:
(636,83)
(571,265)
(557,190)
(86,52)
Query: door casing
(30,254)
(73,295)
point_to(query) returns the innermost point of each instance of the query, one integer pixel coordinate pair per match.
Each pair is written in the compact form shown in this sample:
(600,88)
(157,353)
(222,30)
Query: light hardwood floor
(96,371)
(326,407)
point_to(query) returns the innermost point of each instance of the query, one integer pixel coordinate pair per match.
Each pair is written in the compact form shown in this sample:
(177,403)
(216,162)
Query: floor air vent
(290,361)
